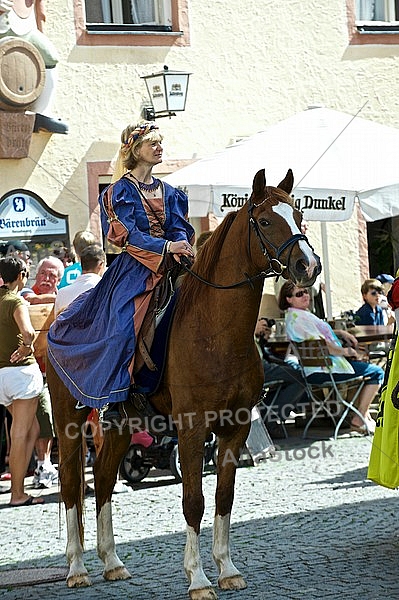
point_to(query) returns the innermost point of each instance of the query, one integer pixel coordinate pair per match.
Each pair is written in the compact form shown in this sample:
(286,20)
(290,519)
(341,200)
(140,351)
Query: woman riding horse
(147,219)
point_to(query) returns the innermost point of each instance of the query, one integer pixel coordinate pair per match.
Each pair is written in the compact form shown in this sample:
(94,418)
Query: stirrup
(112,415)
(141,403)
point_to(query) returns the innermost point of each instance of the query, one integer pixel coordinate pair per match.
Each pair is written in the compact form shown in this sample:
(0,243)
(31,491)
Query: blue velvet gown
(92,343)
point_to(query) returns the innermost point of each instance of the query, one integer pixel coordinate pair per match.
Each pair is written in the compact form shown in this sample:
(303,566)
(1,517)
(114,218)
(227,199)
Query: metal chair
(271,388)
(315,353)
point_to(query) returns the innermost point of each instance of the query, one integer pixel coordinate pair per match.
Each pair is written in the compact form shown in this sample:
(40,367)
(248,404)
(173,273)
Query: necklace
(148,187)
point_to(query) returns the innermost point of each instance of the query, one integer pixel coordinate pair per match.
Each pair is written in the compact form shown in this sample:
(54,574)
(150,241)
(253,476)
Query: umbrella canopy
(335,158)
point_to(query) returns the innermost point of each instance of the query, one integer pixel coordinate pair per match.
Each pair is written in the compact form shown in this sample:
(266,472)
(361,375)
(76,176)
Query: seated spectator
(371,312)
(275,368)
(303,325)
(20,378)
(44,291)
(386,284)
(48,274)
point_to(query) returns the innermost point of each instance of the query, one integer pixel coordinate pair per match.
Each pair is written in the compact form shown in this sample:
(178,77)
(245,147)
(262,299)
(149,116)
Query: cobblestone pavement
(306,525)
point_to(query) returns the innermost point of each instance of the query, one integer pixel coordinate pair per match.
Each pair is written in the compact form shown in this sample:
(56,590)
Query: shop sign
(24,214)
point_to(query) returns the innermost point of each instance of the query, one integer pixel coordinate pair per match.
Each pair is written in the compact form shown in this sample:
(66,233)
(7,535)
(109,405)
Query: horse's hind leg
(191,452)
(228,456)
(116,443)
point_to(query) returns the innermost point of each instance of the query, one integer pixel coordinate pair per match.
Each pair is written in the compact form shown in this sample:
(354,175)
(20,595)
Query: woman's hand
(181,248)
(20,353)
(347,338)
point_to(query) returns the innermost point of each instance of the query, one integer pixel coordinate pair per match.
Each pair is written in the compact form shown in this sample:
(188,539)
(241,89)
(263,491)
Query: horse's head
(277,225)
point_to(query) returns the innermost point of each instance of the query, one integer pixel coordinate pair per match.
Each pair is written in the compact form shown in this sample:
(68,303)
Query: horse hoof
(117,574)
(236,582)
(203,594)
(82,580)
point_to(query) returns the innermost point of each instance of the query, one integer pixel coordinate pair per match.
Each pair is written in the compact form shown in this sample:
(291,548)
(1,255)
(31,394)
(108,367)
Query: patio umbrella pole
(326,269)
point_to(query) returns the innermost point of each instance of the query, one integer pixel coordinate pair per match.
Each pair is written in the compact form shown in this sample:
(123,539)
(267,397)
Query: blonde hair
(132,138)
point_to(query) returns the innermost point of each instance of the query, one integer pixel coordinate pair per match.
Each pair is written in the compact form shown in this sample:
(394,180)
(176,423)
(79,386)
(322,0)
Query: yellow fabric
(384,457)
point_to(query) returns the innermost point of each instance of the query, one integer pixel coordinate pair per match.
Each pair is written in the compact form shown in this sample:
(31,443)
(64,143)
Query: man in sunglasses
(371,312)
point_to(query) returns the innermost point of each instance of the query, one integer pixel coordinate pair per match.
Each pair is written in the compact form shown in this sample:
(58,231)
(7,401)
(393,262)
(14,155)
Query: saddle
(161,305)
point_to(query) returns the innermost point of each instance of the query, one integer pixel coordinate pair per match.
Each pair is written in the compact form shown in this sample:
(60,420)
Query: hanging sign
(24,214)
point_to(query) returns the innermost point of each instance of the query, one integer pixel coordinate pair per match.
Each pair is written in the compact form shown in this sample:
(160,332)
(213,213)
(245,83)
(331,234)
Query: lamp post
(167,91)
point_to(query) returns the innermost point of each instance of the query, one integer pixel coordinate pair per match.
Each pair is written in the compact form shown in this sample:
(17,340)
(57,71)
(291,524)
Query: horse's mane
(204,265)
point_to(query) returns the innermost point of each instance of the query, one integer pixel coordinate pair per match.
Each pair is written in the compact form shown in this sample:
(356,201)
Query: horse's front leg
(105,469)
(191,452)
(228,456)
(71,472)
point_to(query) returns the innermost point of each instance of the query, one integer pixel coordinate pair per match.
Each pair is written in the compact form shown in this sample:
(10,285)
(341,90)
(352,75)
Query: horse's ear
(259,183)
(288,182)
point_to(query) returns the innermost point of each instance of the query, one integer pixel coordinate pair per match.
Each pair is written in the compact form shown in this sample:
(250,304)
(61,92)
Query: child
(371,312)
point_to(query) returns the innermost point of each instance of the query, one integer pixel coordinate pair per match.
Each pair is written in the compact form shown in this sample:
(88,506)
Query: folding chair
(315,353)
(271,388)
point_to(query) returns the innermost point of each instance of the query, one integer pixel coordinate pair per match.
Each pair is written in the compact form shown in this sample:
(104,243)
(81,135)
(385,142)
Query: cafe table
(365,335)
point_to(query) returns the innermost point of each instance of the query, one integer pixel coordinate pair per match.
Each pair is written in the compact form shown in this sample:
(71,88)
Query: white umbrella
(335,158)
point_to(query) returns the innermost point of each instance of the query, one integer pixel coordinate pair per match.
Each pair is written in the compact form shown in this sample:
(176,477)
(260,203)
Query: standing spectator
(80,241)
(93,261)
(48,274)
(20,377)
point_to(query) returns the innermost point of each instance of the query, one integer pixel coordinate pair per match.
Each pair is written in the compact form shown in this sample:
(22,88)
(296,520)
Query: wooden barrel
(41,316)
(22,74)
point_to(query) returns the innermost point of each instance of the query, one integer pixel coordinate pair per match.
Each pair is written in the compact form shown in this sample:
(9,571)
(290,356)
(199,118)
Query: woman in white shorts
(20,378)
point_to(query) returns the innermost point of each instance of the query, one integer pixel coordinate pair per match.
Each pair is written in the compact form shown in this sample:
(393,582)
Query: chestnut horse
(213,377)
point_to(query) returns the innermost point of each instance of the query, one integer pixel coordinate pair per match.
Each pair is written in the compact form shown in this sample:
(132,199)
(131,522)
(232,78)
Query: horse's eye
(263,222)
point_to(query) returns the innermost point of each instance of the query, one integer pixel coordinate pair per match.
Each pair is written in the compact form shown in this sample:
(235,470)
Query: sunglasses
(300,293)
(375,292)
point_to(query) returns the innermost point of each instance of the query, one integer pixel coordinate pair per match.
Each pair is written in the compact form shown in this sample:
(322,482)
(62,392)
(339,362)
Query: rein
(276,267)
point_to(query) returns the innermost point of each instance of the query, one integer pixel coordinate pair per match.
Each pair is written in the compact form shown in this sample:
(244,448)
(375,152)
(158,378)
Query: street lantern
(167,91)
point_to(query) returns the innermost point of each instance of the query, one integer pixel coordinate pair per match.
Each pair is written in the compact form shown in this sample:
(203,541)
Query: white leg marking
(77,575)
(287,212)
(221,547)
(105,540)
(193,564)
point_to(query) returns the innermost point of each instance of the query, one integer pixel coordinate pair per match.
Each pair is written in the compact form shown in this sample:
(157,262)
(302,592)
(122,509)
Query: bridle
(276,267)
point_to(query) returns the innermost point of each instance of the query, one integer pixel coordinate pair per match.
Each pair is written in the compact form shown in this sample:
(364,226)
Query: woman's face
(300,298)
(150,152)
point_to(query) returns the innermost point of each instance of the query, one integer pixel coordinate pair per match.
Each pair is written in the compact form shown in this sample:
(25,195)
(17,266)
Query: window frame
(371,32)
(134,35)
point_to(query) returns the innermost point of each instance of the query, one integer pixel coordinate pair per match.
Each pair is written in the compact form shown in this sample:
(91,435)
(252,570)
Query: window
(377,15)
(377,10)
(132,23)
(373,22)
(128,15)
